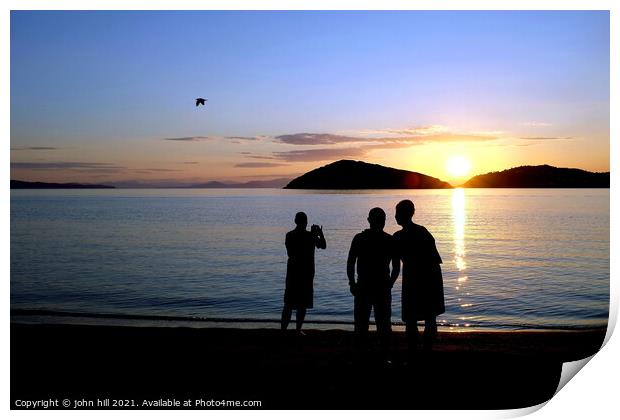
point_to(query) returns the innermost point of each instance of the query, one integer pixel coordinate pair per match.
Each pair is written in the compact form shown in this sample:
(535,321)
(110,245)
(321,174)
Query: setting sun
(458,166)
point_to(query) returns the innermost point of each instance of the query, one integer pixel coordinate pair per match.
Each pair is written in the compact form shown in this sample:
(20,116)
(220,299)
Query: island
(16,185)
(351,175)
(542,176)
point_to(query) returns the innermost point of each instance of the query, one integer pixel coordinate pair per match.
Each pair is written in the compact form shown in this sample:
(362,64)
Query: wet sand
(322,370)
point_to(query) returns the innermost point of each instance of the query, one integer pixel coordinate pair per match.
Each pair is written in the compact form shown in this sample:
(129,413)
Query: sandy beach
(152,367)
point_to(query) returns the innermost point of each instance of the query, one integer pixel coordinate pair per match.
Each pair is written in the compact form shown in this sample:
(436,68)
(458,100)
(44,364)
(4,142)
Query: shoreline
(321,370)
(45,316)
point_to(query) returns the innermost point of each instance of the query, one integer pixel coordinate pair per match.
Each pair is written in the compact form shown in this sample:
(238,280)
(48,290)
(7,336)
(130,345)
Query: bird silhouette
(200,101)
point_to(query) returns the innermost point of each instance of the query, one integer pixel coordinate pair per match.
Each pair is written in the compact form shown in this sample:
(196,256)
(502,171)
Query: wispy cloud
(215,138)
(546,138)
(190,163)
(415,131)
(364,141)
(34,148)
(412,136)
(415,135)
(316,138)
(536,124)
(317,155)
(243,138)
(193,138)
(151,170)
(259,165)
(46,166)
(257,156)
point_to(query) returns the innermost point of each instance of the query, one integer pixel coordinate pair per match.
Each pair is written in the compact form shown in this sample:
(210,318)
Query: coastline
(475,370)
(47,316)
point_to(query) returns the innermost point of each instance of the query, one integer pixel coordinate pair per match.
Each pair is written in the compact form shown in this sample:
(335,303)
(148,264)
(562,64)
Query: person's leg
(430,332)
(383,319)
(411,331)
(287,312)
(299,318)
(361,316)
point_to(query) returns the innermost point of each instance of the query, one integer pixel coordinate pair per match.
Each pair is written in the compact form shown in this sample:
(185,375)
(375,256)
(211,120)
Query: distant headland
(542,176)
(350,174)
(16,184)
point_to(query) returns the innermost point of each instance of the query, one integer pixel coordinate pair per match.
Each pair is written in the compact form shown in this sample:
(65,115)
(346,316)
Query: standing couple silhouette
(372,252)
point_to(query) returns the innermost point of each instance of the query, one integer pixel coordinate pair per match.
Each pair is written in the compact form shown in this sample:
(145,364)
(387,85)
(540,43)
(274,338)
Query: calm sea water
(513,258)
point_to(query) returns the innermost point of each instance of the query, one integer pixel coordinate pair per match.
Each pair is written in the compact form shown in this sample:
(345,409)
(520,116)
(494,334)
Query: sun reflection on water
(459,218)
(458,214)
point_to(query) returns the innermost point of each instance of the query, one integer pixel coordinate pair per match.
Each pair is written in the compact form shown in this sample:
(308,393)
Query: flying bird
(200,101)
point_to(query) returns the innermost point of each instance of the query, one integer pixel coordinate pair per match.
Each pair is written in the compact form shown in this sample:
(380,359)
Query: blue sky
(501,88)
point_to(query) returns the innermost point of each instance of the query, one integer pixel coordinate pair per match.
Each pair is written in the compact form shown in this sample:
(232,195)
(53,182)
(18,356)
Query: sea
(513,259)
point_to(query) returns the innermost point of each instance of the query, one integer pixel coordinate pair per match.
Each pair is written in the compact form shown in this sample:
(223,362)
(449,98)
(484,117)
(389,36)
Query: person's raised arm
(351,265)
(320,238)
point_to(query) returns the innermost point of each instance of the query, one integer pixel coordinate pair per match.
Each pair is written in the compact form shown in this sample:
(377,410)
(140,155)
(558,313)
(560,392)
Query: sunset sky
(110,96)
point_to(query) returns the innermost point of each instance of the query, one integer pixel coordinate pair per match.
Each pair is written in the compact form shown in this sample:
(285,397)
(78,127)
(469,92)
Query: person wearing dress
(422,293)
(299,290)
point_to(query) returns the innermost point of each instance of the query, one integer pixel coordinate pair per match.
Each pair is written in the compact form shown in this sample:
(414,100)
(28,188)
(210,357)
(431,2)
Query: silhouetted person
(200,101)
(299,290)
(422,296)
(373,250)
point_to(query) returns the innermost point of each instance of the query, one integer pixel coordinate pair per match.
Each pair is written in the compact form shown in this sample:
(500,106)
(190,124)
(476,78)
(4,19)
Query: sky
(109,96)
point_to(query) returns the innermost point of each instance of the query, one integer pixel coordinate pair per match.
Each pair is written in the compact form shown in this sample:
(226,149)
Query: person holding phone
(299,291)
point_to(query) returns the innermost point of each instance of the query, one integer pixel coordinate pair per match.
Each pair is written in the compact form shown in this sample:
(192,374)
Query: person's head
(301,220)
(404,212)
(376,218)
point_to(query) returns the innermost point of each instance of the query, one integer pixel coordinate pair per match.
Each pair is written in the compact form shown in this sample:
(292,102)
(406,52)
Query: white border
(590,395)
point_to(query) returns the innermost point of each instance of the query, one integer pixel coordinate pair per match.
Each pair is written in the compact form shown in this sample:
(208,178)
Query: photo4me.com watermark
(103,403)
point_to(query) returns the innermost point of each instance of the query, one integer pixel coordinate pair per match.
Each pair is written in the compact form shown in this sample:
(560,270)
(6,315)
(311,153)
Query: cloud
(34,148)
(415,135)
(446,138)
(259,165)
(243,138)
(316,138)
(234,139)
(256,156)
(415,131)
(80,166)
(317,155)
(536,124)
(194,138)
(545,138)
(390,145)
(420,135)
(360,145)
(150,170)
(189,163)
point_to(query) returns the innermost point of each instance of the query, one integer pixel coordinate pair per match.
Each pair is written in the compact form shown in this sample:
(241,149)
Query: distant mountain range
(16,184)
(350,174)
(272,183)
(543,176)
